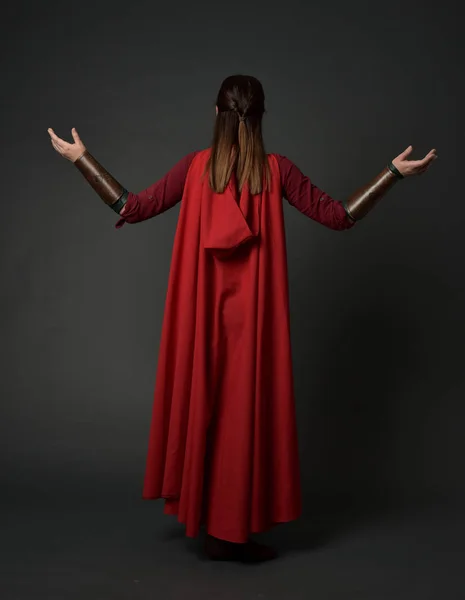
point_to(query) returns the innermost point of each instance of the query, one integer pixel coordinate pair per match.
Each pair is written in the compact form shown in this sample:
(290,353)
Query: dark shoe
(250,552)
(253,552)
(217,549)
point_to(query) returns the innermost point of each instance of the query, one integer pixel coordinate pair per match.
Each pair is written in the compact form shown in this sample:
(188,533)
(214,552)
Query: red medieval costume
(223,436)
(223,430)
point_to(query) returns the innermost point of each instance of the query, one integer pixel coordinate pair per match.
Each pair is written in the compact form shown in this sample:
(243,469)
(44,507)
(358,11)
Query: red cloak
(224,369)
(223,433)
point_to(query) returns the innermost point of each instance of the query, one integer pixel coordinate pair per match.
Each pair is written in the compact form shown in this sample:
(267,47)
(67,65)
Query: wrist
(80,155)
(392,167)
(120,203)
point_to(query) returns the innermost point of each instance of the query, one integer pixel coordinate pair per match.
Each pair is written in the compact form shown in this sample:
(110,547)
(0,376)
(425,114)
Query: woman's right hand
(69,151)
(413,167)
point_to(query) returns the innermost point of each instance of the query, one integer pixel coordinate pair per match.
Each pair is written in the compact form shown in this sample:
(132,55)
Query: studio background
(378,320)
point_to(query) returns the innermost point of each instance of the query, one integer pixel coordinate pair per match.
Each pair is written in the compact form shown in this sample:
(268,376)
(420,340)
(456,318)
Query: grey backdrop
(378,320)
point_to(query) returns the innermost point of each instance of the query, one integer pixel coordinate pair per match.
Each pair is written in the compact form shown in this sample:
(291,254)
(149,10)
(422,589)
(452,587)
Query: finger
(428,165)
(55,144)
(54,137)
(59,144)
(432,154)
(422,167)
(56,147)
(75,135)
(52,134)
(423,161)
(427,160)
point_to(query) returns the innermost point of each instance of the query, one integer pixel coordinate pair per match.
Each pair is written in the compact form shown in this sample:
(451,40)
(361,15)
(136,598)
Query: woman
(223,447)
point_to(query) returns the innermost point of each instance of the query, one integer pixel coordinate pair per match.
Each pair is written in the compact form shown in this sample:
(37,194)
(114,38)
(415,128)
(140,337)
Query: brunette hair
(237,138)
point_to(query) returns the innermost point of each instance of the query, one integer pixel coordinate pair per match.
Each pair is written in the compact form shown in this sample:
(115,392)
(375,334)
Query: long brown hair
(237,138)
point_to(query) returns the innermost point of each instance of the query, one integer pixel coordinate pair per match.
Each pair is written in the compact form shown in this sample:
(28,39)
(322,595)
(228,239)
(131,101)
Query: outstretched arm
(106,186)
(310,200)
(364,199)
(133,208)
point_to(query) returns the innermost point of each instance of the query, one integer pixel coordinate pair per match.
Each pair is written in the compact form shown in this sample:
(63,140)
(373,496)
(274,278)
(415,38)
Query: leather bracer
(106,186)
(364,199)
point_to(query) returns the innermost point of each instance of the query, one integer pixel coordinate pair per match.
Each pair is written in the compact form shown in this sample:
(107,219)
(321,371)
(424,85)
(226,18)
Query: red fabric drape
(224,369)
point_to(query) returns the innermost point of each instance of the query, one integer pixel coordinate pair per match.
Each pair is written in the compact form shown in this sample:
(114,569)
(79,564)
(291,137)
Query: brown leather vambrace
(364,199)
(106,186)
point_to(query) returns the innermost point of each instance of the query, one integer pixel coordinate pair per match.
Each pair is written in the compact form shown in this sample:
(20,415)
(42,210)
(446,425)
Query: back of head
(238,140)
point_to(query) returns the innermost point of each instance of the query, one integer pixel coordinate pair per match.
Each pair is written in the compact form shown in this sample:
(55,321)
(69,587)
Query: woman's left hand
(413,167)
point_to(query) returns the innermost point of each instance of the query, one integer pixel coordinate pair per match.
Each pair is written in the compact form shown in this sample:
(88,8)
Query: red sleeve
(157,198)
(301,193)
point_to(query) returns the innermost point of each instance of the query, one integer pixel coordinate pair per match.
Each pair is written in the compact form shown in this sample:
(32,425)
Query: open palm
(69,151)
(413,167)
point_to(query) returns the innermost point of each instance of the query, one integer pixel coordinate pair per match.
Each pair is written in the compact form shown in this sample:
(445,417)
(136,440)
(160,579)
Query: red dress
(223,440)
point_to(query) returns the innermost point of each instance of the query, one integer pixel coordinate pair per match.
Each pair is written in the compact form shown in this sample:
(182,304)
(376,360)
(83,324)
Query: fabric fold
(224,368)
